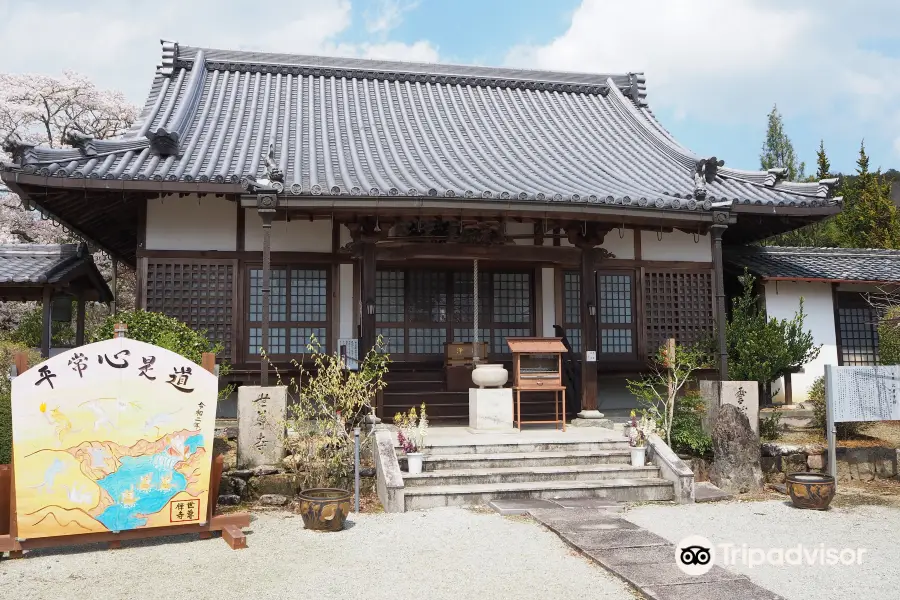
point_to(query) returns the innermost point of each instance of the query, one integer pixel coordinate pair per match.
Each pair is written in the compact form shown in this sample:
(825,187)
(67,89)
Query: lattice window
(427,297)
(679,304)
(511,297)
(572,308)
(394,339)
(310,300)
(389,296)
(197,292)
(298,308)
(498,343)
(464,297)
(857,330)
(427,340)
(615,313)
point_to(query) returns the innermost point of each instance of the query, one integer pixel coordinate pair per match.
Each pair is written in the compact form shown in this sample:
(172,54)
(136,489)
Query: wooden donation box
(537,367)
(459,360)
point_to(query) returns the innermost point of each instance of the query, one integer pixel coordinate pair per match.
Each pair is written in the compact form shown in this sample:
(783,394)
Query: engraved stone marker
(261,412)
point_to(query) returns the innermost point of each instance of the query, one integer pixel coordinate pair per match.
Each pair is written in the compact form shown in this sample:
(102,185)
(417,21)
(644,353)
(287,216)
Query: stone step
(440,462)
(529,474)
(620,490)
(496,446)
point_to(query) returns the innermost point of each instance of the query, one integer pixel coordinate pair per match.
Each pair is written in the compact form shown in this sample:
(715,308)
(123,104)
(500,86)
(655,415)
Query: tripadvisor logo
(694,555)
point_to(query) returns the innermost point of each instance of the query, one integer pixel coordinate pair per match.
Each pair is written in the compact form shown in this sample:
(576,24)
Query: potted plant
(329,401)
(411,437)
(638,431)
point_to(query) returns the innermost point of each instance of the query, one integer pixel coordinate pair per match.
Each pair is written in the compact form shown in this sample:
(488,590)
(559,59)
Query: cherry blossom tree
(46,110)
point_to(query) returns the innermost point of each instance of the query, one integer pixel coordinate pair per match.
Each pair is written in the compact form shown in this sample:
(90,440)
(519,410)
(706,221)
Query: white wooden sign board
(866,393)
(349,349)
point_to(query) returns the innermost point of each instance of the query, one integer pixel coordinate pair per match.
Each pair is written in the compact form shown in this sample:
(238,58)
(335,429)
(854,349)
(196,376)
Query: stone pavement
(643,559)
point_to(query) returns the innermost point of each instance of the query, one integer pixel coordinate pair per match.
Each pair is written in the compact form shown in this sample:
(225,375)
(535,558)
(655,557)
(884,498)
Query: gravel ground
(776,524)
(439,554)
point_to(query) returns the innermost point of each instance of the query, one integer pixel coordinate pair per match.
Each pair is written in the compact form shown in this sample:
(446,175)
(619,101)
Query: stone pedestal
(261,413)
(591,418)
(491,409)
(744,395)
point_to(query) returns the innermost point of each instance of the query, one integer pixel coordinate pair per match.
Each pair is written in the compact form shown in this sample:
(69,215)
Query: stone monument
(261,413)
(742,394)
(736,467)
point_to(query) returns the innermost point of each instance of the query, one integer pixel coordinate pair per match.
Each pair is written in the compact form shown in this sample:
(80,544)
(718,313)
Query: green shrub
(770,427)
(889,337)
(165,332)
(687,429)
(816,397)
(28,332)
(7,352)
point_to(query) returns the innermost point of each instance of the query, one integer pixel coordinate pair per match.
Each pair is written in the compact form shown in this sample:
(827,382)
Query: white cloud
(388,14)
(116,43)
(731,62)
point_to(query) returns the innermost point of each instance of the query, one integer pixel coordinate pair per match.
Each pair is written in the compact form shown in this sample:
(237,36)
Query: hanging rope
(475,309)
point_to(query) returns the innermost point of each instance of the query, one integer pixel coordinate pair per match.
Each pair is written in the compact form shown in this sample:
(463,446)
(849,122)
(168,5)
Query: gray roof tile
(826,264)
(35,263)
(362,127)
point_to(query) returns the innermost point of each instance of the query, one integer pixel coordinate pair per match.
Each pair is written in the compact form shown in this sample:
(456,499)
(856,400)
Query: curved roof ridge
(817,251)
(478,75)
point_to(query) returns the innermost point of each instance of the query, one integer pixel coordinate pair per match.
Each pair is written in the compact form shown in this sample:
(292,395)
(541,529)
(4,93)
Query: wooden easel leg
(205,535)
(113,545)
(16,554)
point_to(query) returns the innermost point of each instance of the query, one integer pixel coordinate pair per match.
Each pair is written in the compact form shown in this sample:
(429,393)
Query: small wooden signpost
(183,520)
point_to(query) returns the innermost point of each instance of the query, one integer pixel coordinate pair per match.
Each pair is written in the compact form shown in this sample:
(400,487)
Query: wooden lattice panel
(199,293)
(678,304)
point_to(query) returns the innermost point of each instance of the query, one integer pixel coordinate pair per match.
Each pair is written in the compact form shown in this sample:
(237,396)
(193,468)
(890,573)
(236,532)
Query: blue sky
(713,72)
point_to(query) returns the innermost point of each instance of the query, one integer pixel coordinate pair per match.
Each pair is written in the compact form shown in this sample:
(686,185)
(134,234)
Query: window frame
(287,324)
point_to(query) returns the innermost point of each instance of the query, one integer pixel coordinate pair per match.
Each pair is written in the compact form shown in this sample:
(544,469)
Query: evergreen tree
(823,166)
(869,218)
(778,151)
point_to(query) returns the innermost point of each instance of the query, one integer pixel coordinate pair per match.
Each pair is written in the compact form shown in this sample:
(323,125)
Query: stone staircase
(472,474)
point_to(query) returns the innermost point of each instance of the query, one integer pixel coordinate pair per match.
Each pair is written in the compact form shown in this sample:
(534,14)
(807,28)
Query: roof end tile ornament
(169,56)
(83,141)
(773,176)
(16,148)
(827,186)
(704,173)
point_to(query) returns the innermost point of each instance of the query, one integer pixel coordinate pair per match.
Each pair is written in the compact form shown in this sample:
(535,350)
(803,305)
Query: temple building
(357,195)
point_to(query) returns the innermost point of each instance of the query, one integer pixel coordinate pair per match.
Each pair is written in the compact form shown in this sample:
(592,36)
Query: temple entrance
(418,310)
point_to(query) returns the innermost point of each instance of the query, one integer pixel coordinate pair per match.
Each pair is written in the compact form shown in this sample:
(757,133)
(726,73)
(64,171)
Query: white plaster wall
(191,223)
(676,245)
(782,301)
(300,235)
(620,247)
(345,237)
(345,302)
(516,228)
(548,300)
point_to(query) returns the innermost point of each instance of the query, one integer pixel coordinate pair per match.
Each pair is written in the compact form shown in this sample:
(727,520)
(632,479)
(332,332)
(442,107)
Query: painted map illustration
(112,436)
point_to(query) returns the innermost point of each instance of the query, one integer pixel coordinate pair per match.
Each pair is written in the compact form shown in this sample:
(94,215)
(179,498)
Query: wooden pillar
(367,296)
(79,320)
(266,292)
(588,331)
(717,230)
(46,322)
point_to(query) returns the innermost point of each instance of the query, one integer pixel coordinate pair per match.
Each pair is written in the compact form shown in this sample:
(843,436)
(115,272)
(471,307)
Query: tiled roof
(37,264)
(825,264)
(379,128)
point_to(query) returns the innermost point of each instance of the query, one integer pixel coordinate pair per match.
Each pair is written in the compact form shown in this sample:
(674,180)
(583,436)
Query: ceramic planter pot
(810,490)
(414,462)
(324,509)
(489,375)
(638,456)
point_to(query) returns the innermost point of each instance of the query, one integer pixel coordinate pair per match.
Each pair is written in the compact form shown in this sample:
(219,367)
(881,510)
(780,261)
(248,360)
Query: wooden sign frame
(230,525)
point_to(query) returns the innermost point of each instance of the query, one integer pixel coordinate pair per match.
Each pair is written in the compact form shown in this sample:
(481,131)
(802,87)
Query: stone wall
(853,464)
